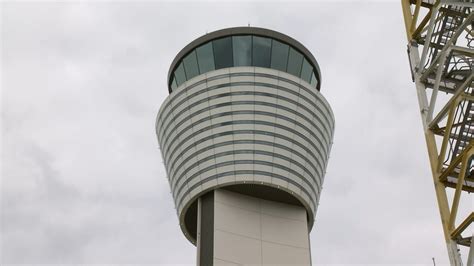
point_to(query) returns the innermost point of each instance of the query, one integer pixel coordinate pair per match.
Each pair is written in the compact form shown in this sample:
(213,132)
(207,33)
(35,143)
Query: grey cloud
(82,177)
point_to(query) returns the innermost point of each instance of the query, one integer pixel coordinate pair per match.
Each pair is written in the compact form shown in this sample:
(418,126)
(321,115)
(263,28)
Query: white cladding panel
(252,231)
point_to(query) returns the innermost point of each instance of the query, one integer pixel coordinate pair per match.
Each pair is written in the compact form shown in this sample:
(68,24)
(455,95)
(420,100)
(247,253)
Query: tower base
(237,229)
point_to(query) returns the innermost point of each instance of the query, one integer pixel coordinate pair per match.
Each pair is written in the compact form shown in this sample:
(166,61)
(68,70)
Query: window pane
(223,52)
(173,84)
(295,61)
(261,51)
(205,57)
(279,55)
(314,81)
(242,46)
(179,74)
(190,65)
(306,71)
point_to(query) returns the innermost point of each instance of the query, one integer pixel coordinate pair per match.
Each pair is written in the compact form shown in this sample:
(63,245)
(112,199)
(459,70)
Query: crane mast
(441,55)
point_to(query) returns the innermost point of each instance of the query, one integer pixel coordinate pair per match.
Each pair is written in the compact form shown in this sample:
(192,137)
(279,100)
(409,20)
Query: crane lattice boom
(441,54)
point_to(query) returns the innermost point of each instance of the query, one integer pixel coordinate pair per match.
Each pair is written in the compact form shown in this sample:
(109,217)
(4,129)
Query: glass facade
(223,56)
(279,55)
(306,70)
(191,65)
(179,74)
(261,50)
(295,60)
(243,50)
(205,56)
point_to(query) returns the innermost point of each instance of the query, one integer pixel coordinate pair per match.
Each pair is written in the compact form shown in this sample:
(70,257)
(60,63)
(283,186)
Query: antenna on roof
(248,24)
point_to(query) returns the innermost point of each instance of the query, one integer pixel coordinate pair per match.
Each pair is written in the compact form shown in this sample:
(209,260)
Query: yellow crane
(441,54)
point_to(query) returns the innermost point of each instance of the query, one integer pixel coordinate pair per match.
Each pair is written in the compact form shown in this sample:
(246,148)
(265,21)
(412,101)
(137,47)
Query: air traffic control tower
(245,136)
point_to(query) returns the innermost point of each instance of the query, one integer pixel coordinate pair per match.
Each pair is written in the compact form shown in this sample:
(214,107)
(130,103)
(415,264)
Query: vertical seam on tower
(320,179)
(213,150)
(274,130)
(212,132)
(261,234)
(253,125)
(233,129)
(292,143)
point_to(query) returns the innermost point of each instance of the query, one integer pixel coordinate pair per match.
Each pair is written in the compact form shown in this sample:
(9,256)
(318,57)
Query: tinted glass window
(242,46)
(306,71)
(205,57)
(223,52)
(279,55)
(295,60)
(191,65)
(173,84)
(179,74)
(314,81)
(243,50)
(261,51)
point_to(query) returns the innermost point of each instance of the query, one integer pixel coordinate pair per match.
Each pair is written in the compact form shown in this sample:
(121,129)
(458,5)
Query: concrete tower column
(238,229)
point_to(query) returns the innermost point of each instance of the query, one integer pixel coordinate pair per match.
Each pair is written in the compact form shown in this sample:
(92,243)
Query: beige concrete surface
(252,231)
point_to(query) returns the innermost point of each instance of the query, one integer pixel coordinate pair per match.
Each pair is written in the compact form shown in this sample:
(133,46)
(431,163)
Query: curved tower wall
(245,125)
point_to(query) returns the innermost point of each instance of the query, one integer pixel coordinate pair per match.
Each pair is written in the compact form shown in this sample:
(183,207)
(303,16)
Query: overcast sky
(82,178)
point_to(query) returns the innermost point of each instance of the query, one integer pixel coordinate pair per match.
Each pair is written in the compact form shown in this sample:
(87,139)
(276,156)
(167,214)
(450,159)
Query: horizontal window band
(176,136)
(189,98)
(250,152)
(240,122)
(253,75)
(173,172)
(167,148)
(252,173)
(241,74)
(164,130)
(238,162)
(237,132)
(252,83)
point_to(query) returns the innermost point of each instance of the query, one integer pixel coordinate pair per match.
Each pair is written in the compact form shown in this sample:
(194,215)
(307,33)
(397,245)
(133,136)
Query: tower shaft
(239,229)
